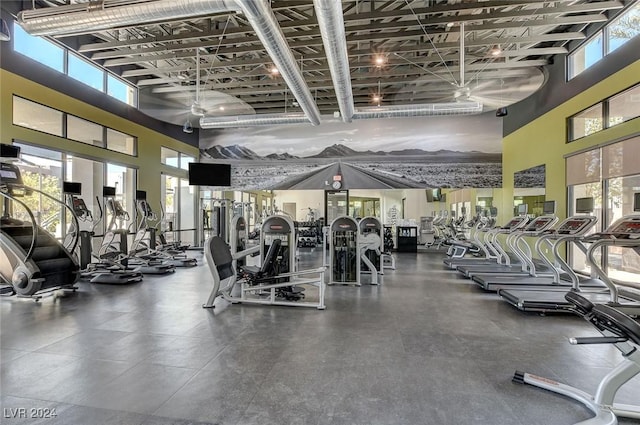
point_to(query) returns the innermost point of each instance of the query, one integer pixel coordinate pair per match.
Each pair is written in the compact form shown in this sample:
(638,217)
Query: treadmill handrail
(34,229)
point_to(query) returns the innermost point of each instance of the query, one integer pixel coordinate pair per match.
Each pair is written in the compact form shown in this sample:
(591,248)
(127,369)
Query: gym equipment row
(550,285)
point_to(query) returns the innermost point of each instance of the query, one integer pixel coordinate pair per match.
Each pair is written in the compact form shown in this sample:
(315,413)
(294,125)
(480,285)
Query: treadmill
(573,230)
(504,262)
(479,238)
(624,232)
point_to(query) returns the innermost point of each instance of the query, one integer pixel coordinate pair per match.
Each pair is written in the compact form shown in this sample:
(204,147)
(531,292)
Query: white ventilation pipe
(109,14)
(266,26)
(331,23)
(73,19)
(428,109)
(252,120)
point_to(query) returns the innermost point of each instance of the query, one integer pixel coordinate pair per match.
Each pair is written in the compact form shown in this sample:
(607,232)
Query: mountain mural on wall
(408,152)
(238,152)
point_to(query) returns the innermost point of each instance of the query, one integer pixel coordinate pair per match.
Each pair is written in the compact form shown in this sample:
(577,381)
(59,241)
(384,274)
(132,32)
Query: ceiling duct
(452,108)
(73,19)
(108,14)
(253,120)
(266,26)
(331,22)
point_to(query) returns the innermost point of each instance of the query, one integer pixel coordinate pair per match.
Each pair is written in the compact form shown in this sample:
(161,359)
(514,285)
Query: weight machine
(370,245)
(276,281)
(344,252)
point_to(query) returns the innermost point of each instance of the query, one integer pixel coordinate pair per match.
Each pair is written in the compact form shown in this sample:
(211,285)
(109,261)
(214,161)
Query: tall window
(610,112)
(57,57)
(586,122)
(37,48)
(85,72)
(615,34)
(610,175)
(37,117)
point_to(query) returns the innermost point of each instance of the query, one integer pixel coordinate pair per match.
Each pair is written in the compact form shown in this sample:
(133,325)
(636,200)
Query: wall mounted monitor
(549,207)
(493,211)
(108,191)
(141,194)
(636,202)
(478,209)
(9,151)
(523,209)
(204,174)
(584,205)
(429,195)
(72,188)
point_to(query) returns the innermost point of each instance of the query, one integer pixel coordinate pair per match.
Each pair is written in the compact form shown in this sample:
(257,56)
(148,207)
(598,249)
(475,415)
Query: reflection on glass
(84,131)
(624,106)
(622,263)
(586,122)
(37,117)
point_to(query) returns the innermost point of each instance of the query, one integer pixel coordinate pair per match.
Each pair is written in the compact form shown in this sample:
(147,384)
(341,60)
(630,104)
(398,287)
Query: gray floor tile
(141,390)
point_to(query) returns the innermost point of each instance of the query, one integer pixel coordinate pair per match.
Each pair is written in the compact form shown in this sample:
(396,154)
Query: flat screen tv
(141,194)
(108,191)
(429,195)
(549,207)
(584,205)
(203,174)
(9,151)
(636,202)
(523,209)
(72,188)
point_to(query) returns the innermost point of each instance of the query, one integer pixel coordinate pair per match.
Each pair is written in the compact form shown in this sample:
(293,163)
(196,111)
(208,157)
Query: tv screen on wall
(203,174)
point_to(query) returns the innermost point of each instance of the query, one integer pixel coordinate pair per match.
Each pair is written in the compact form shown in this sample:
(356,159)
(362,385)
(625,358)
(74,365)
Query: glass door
(336,204)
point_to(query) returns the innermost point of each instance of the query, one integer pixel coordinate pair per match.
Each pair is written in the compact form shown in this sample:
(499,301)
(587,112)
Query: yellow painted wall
(544,140)
(149,141)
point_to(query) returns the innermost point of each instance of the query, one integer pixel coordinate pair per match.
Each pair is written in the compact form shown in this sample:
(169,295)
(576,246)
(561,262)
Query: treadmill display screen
(538,223)
(572,226)
(627,228)
(513,223)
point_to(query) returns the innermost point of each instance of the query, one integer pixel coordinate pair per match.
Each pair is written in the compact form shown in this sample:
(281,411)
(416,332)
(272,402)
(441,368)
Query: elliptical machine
(114,244)
(143,245)
(106,270)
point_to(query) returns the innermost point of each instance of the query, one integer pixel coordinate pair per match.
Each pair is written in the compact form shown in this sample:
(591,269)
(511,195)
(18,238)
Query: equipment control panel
(576,225)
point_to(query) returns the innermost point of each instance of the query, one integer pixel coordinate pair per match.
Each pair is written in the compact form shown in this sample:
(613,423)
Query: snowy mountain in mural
(462,151)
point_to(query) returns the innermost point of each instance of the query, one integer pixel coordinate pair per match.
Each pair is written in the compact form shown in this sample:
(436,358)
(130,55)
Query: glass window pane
(624,28)
(187,216)
(121,142)
(585,56)
(169,157)
(185,160)
(85,72)
(586,122)
(45,174)
(577,258)
(84,131)
(37,117)
(622,263)
(621,159)
(124,180)
(624,106)
(169,186)
(120,90)
(583,168)
(38,48)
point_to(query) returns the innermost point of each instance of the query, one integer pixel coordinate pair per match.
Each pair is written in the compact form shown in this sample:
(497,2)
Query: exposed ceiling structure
(220,54)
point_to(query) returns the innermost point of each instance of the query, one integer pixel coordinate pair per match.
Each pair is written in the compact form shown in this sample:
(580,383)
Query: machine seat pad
(629,327)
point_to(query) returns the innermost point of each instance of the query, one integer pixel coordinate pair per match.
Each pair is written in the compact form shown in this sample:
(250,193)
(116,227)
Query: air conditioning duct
(331,22)
(252,120)
(427,109)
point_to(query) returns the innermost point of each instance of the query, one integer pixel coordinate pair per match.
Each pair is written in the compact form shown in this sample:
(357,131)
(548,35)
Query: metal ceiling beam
(561,10)
(376,36)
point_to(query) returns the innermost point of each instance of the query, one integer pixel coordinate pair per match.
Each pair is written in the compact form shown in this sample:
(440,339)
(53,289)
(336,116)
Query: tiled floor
(426,347)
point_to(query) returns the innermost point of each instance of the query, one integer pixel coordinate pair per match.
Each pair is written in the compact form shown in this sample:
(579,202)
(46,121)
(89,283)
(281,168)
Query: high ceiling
(404,51)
